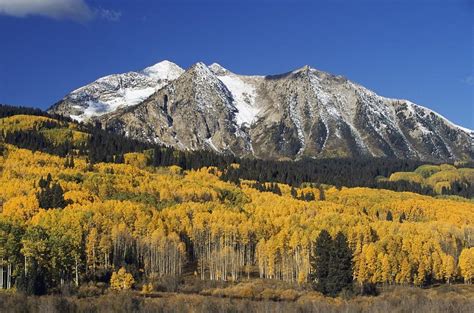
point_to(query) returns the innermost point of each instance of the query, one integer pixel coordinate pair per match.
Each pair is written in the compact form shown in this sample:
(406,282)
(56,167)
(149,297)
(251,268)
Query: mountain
(302,113)
(111,92)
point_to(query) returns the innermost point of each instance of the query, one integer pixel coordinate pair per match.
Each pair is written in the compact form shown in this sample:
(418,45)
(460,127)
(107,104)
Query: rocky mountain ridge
(302,113)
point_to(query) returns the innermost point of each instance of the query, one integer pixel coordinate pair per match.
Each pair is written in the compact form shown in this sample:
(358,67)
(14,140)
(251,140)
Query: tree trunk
(9,276)
(1,275)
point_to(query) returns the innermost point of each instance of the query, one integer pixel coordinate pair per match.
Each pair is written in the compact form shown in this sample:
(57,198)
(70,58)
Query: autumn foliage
(129,222)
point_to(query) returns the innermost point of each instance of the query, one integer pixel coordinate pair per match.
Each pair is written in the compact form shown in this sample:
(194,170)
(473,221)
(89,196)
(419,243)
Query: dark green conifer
(340,266)
(293,192)
(320,262)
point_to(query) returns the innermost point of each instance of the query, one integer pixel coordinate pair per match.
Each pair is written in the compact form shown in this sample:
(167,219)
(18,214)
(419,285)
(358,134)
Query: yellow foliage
(61,135)
(408,176)
(234,228)
(435,176)
(427,170)
(121,280)
(136,159)
(23,122)
(147,288)
(22,207)
(466,264)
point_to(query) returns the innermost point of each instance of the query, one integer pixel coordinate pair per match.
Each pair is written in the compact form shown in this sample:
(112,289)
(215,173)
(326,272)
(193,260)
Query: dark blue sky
(417,50)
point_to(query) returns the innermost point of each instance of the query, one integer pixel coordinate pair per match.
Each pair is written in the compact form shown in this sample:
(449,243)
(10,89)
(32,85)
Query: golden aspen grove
(132,226)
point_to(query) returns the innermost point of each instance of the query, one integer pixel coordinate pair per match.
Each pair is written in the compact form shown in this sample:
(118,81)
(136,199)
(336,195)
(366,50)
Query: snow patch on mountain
(242,91)
(244,96)
(211,144)
(111,92)
(429,111)
(296,118)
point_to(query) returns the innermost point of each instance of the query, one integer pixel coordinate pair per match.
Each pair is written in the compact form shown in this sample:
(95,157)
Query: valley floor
(249,297)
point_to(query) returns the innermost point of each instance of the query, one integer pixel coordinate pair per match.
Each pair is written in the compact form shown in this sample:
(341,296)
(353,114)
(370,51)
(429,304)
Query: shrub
(121,280)
(289,295)
(90,290)
(166,283)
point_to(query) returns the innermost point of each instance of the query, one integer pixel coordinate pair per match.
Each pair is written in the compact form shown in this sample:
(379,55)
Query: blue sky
(416,50)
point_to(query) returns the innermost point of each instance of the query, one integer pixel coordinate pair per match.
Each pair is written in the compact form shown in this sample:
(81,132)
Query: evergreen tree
(389,216)
(340,266)
(320,262)
(51,194)
(57,196)
(293,192)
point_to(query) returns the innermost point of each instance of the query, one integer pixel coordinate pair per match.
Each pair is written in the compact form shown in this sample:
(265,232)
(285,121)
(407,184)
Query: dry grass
(249,297)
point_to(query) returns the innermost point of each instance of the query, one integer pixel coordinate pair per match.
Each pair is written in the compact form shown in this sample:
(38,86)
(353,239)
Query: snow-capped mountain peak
(201,69)
(218,69)
(109,93)
(301,113)
(164,70)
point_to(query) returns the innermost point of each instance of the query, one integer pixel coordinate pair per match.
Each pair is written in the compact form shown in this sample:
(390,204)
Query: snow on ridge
(122,97)
(409,103)
(447,121)
(296,118)
(208,83)
(107,94)
(244,96)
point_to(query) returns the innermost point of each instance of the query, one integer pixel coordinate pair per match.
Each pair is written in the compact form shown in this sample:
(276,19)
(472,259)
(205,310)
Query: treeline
(8,110)
(105,146)
(337,171)
(35,141)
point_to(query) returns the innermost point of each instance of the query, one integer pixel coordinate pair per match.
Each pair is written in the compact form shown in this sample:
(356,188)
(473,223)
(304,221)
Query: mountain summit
(302,113)
(115,91)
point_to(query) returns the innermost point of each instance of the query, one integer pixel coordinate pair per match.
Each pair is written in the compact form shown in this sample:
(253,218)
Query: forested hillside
(38,131)
(79,207)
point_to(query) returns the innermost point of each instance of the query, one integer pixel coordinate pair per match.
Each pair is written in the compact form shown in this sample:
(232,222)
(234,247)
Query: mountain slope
(109,93)
(303,113)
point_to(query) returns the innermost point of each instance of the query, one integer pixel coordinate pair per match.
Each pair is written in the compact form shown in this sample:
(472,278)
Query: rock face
(303,113)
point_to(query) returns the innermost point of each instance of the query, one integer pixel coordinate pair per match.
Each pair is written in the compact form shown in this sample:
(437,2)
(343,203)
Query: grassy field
(254,296)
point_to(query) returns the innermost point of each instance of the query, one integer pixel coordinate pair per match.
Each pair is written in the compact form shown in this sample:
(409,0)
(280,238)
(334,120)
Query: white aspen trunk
(9,276)
(211,272)
(1,275)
